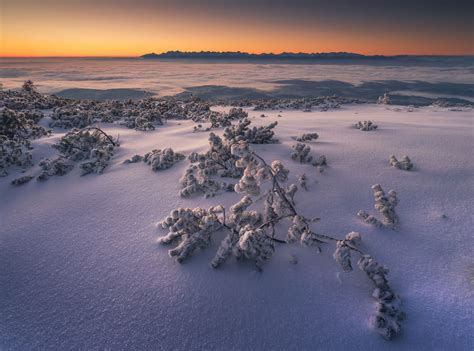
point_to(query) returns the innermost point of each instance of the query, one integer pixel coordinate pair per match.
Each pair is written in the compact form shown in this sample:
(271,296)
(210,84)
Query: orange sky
(123,28)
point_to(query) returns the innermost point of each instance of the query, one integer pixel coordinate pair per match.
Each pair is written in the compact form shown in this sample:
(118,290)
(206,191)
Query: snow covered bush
(302,179)
(146,120)
(384,100)
(388,314)
(404,163)
(254,135)
(366,126)
(53,167)
(307,137)
(322,103)
(251,233)
(158,159)
(385,204)
(14,152)
(162,159)
(16,131)
(217,161)
(301,154)
(21,180)
(91,145)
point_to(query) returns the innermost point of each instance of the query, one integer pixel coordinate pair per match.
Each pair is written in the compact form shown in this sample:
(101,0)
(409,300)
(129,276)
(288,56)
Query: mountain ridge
(235,55)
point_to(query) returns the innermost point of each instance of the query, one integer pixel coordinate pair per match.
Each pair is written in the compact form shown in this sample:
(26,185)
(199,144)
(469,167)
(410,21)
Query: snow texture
(81,269)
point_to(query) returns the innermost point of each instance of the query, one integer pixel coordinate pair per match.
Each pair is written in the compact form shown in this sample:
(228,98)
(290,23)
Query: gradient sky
(135,27)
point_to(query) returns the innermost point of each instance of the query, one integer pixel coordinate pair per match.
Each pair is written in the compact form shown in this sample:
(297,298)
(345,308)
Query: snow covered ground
(80,267)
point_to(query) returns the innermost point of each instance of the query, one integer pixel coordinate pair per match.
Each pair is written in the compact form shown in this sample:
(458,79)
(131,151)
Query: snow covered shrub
(384,100)
(385,204)
(301,154)
(388,314)
(307,137)
(302,179)
(225,119)
(162,159)
(251,233)
(193,227)
(17,125)
(91,145)
(21,180)
(28,98)
(322,103)
(28,87)
(72,116)
(134,159)
(146,120)
(255,135)
(404,163)
(196,180)
(217,161)
(53,167)
(366,126)
(14,152)
(16,131)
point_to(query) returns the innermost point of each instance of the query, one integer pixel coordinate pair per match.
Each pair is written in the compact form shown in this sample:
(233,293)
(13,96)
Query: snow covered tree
(404,163)
(307,137)
(162,159)
(17,129)
(254,135)
(251,233)
(384,100)
(91,145)
(385,204)
(301,154)
(366,126)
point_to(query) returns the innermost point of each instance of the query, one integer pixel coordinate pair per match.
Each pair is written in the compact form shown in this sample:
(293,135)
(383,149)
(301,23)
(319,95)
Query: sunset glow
(132,28)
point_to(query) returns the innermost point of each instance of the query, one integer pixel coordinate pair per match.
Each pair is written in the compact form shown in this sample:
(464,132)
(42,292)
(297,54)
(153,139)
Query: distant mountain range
(244,55)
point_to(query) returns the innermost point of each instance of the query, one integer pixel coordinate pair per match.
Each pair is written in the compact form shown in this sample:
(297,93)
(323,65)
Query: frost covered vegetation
(17,129)
(385,204)
(366,126)
(91,145)
(307,137)
(158,159)
(251,233)
(252,225)
(307,104)
(404,164)
(301,154)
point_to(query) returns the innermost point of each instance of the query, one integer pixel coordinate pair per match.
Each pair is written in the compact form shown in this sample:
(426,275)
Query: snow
(81,267)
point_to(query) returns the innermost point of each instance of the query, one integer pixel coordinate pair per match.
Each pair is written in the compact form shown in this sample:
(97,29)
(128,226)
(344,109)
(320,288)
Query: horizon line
(242,52)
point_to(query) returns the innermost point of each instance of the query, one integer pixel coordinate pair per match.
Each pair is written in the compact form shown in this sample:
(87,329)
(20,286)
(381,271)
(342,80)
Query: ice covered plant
(251,233)
(366,126)
(17,129)
(162,159)
(92,146)
(384,100)
(53,167)
(388,311)
(301,154)
(146,120)
(217,161)
(385,204)
(307,137)
(404,163)
(302,181)
(252,135)
(21,180)
(193,227)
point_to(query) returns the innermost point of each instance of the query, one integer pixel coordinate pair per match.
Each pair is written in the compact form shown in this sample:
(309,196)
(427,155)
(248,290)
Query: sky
(136,27)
